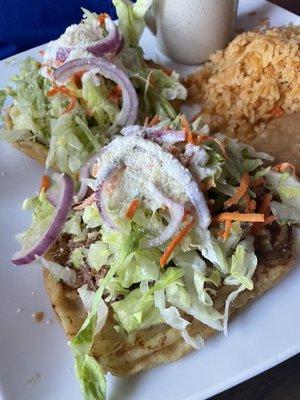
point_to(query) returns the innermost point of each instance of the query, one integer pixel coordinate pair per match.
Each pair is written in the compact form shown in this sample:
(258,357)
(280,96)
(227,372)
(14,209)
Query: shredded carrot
(102,17)
(240,191)
(242,217)
(277,112)
(285,167)
(133,206)
(189,136)
(228,226)
(65,91)
(246,200)
(86,202)
(175,242)
(154,121)
(186,127)
(77,79)
(45,183)
(71,105)
(264,209)
(58,89)
(115,94)
(146,121)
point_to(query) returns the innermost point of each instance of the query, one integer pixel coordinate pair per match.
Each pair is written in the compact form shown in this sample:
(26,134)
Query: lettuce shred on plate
(136,257)
(78,120)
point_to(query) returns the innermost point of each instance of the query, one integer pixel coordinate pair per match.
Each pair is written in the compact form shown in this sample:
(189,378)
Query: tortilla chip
(138,351)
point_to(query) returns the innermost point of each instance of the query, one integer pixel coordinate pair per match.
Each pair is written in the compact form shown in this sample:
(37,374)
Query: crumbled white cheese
(81,35)
(197,155)
(145,162)
(76,38)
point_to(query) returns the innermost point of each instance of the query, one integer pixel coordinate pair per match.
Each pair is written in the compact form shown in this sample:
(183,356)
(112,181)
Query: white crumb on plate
(34,378)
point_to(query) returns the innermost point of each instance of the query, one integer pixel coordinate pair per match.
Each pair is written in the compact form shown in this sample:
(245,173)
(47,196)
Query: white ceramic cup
(187,31)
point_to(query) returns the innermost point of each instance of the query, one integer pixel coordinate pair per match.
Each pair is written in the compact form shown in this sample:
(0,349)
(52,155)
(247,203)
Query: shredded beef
(61,250)
(90,277)
(83,243)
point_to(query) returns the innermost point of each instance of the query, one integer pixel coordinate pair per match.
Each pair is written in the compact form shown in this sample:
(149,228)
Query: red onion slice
(26,256)
(110,71)
(110,44)
(121,147)
(102,180)
(176,212)
(158,135)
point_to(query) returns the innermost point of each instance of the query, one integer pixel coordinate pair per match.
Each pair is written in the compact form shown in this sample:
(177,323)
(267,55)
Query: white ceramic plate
(35,361)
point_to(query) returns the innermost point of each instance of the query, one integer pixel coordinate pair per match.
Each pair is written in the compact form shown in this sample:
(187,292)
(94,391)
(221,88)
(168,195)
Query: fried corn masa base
(32,149)
(125,355)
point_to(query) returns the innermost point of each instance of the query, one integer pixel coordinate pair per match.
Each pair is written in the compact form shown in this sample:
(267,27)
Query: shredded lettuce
(132,19)
(97,255)
(77,257)
(96,96)
(232,296)
(192,263)
(139,267)
(31,105)
(73,226)
(91,377)
(243,265)
(88,371)
(69,146)
(60,272)
(87,297)
(91,216)
(172,317)
(287,187)
(130,311)
(42,215)
(73,136)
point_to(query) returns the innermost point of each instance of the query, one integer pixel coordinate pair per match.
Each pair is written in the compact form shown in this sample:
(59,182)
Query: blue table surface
(27,23)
